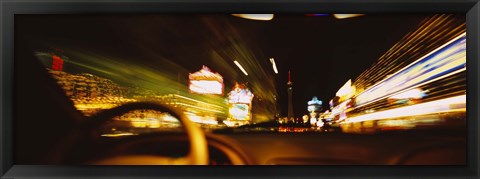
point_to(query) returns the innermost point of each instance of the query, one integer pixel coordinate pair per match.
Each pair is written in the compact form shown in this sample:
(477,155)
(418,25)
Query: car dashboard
(274,148)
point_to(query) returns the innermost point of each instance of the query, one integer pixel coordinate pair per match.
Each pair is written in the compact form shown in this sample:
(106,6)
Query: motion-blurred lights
(229,123)
(346,89)
(439,62)
(274,65)
(118,134)
(410,94)
(241,68)
(345,16)
(261,17)
(206,87)
(452,104)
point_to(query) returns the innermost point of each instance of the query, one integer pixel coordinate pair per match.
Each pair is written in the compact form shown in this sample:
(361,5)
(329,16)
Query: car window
(296,73)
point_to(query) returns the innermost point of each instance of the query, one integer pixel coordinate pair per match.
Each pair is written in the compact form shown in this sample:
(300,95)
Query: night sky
(322,52)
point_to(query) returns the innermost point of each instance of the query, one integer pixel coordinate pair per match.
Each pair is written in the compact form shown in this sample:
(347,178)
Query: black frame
(9,8)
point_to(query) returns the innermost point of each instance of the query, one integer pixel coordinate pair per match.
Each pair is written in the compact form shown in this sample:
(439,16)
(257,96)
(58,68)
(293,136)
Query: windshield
(357,73)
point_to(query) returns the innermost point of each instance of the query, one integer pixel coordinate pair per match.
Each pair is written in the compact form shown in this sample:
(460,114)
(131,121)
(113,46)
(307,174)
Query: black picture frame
(9,8)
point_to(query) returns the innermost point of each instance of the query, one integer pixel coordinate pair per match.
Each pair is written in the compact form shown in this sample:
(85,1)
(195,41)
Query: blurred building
(432,33)
(314,108)
(205,81)
(239,106)
(90,93)
(420,78)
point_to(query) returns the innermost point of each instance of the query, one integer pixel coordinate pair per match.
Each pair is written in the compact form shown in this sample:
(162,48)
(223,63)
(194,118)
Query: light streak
(416,86)
(413,93)
(274,65)
(442,62)
(436,29)
(206,87)
(345,89)
(262,17)
(241,68)
(451,104)
(437,49)
(345,16)
(118,135)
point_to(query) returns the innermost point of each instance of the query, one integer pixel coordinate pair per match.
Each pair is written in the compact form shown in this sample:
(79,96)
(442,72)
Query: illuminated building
(419,81)
(290,101)
(314,107)
(240,105)
(205,82)
(90,93)
(432,33)
(346,91)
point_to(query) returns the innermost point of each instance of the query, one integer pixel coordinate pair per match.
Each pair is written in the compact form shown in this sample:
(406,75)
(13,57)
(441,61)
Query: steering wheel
(198,153)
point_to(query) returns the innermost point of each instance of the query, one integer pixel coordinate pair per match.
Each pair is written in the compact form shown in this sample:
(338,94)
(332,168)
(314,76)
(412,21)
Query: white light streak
(345,89)
(415,62)
(415,93)
(444,105)
(206,87)
(274,65)
(446,60)
(416,86)
(241,68)
(262,17)
(344,16)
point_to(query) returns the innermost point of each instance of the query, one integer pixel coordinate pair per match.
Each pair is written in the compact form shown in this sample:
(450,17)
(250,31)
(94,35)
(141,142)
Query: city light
(346,90)
(262,17)
(452,104)
(241,68)
(240,111)
(435,29)
(206,87)
(413,93)
(118,134)
(447,60)
(274,65)
(202,119)
(240,103)
(205,82)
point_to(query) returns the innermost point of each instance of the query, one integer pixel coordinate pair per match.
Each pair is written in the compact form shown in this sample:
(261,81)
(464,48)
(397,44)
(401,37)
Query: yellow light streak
(345,16)
(437,28)
(416,86)
(262,17)
(456,38)
(118,135)
(444,105)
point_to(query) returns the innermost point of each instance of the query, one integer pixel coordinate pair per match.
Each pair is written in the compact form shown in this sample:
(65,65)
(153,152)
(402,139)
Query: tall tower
(290,102)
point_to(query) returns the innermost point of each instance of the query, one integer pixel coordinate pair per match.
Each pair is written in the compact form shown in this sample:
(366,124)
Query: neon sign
(205,82)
